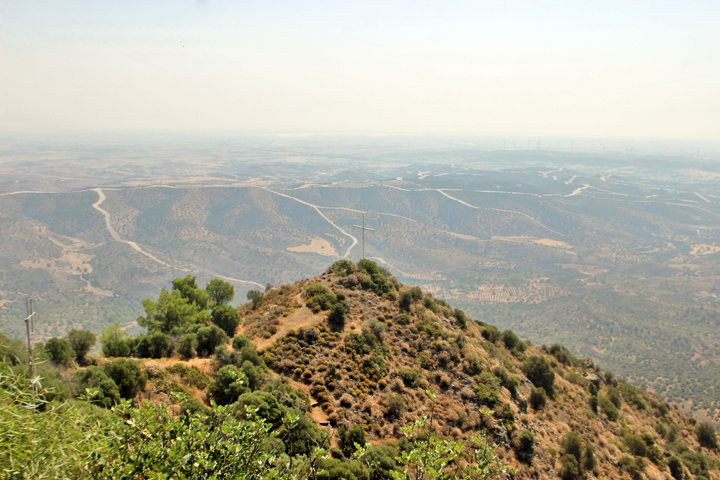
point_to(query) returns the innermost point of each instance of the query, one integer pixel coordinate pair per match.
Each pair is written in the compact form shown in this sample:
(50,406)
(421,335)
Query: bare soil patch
(302,317)
(704,249)
(586,269)
(316,245)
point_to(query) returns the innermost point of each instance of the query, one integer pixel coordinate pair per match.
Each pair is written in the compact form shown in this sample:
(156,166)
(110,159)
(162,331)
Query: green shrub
(127,375)
(509,339)
(342,268)
(540,373)
(106,392)
(240,341)
(460,319)
(410,377)
(265,405)
(706,435)
(537,399)
(507,380)
(192,406)
(570,467)
(209,338)
(486,390)
(228,385)
(676,469)
(562,355)
(187,346)
(336,317)
(589,461)
(227,318)
(81,342)
(405,301)
(572,445)
(608,408)
(349,437)
(593,402)
(396,406)
(256,297)
(152,346)
(635,444)
(633,465)
(255,374)
(524,444)
(60,351)
(696,463)
(491,334)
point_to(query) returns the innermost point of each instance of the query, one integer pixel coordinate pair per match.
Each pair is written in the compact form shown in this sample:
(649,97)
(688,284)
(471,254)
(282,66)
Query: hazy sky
(642,69)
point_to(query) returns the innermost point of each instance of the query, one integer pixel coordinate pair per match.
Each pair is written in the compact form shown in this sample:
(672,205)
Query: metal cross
(363,228)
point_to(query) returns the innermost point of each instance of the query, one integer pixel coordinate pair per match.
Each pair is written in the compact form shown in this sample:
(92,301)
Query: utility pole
(29,322)
(363,228)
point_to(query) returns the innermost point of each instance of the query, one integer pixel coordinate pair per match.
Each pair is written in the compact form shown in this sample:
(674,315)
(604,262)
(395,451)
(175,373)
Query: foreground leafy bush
(39,440)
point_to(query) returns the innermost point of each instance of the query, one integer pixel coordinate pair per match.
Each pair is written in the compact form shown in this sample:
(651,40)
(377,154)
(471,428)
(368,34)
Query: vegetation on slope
(357,376)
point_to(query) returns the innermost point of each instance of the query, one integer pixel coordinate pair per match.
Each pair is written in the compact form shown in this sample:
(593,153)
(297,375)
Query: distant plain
(614,255)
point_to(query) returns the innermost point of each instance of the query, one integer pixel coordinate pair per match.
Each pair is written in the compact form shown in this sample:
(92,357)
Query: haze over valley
(612,255)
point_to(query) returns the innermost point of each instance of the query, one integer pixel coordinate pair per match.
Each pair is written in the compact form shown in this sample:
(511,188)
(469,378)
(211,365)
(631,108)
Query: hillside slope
(373,364)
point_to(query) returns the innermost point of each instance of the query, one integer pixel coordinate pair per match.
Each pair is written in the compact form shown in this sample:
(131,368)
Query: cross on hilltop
(363,228)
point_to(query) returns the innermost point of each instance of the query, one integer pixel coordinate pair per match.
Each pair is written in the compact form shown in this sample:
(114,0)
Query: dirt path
(302,317)
(114,234)
(317,413)
(317,209)
(117,238)
(441,191)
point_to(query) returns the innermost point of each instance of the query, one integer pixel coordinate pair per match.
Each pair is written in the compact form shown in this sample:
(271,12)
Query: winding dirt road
(136,247)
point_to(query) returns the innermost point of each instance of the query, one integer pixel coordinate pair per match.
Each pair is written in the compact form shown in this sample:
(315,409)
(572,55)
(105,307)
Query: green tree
(256,297)
(171,311)
(227,318)
(60,351)
(220,292)
(81,341)
(609,408)
(114,342)
(188,289)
